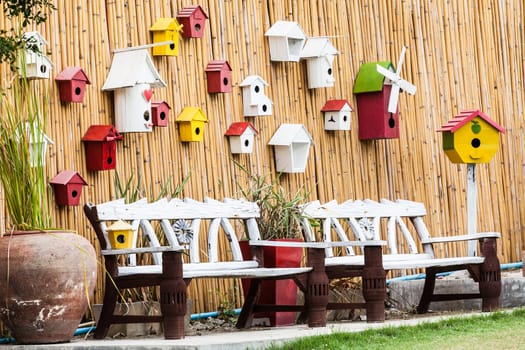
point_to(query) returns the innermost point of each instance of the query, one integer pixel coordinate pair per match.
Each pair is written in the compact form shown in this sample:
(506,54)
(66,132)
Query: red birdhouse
(68,187)
(218,74)
(100,143)
(193,20)
(160,111)
(72,84)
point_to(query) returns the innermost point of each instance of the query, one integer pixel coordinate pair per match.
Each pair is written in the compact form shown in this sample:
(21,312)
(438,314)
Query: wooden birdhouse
(120,235)
(193,20)
(37,65)
(38,143)
(68,187)
(191,124)
(72,83)
(337,115)
(241,135)
(471,137)
(100,144)
(286,41)
(165,30)
(255,102)
(160,111)
(132,77)
(319,54)
(218,75)
(291,147)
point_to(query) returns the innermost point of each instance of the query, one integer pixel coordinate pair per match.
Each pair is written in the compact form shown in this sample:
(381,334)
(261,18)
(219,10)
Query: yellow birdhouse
(471,137)
(120,235)
(166,29)
(191,124)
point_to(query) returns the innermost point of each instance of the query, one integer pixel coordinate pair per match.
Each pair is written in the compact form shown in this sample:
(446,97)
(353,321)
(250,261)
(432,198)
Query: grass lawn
(498,330)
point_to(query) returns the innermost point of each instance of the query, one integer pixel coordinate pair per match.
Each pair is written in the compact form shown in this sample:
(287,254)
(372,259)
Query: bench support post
(172,295)
(374,284)
(317,289)
(490,276)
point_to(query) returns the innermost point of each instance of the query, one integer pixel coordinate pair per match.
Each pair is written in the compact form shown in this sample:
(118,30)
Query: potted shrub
(46,276)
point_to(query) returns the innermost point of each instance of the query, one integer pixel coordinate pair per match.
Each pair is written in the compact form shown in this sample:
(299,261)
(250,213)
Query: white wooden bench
(156,222)
(410,246)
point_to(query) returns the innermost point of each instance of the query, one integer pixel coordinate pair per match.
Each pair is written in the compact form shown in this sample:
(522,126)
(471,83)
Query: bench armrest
(318,245)
(475,236)
(142,250)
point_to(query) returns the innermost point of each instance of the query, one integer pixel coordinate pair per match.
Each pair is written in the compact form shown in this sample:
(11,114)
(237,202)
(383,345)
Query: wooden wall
(461,55)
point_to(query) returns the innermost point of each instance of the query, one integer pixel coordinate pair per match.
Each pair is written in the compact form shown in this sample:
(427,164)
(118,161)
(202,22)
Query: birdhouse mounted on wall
(191,124)
(68,187)
(286,41)
(337,115)
(100,144)
(37,65)
(377,88)
(241,135)
(291,146)
(160,111)
(255,102)
(72,83)
(471,137)
(193,20)
(132,76)
(38,142)
(319,54)
(218,75)
(165,30)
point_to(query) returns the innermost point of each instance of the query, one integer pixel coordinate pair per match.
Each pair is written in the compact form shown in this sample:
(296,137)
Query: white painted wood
(412,247)
(391,235)
(213,240)
(149,233)
(472,197)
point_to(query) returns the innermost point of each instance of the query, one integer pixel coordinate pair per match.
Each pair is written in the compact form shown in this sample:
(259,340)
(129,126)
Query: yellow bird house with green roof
(191,124)
(165,30)
(471,137)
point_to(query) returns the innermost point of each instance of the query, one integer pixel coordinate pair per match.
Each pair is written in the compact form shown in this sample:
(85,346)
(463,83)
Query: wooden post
(472,196)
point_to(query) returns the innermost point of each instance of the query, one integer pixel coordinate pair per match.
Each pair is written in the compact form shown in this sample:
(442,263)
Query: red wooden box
(72,84)
(68,187)
(100,143)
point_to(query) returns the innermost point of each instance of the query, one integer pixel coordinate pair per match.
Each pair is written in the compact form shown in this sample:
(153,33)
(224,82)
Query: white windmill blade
(394,96)
(406,86)
(401,59)
(387,73)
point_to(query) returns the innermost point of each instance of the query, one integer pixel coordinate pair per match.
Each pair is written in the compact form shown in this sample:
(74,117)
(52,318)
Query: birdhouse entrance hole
(74,193)
(146,116)
(197,131)
(109,160)
(162,115)
(329,71)
(121,238)
(345,118)
(295,45)
(78,91)
(246,143)
(256,88)
(264,108)
(172,46)
(43,68)
(391,121)
(225,81)
(475,142)
(197,27)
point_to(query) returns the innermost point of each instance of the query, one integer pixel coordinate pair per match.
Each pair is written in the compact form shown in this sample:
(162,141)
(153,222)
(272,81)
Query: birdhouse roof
(318,47)
(286,29)
(290,133)
(335,105)
(252,79)
(120,226)
(35,134)
(218,65)
(368,79)
(73,73)
(40,40)
(189,114)
(68,177)
(238,128)
(464,117)
(101,133)
(130,67)
(192,10)
(159,103)
(163,24)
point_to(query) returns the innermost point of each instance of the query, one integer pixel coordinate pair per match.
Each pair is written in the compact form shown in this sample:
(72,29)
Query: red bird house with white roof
(68,187)
(193,20)
(100,144)
(72,83)
(337,115)
(160,111)
(218,75)
(241,135)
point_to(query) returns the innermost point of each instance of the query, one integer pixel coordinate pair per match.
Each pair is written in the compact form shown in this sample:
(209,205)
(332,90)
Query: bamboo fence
(461,55)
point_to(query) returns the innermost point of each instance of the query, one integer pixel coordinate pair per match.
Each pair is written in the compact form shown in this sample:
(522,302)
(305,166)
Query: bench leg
(172,295)
(108,308)
(316,298)
(246,316)
(428,291)
(374,285)
(490,276)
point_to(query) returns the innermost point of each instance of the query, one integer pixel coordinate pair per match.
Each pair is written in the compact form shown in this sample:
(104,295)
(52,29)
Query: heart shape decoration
(147,94)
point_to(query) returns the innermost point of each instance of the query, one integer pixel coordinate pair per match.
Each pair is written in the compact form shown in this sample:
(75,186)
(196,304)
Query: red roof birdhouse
(337,115)
(68,187)
(218,74)
(241,135)
(72,84)
(193,20)
(100,143)
(160,111)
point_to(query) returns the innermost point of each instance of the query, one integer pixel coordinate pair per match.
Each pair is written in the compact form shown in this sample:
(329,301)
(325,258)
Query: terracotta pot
(45,280)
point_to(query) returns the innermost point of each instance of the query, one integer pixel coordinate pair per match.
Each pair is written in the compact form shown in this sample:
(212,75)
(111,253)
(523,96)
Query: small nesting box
(37,65)
(193,19)
(471,137)
(100,143)
(286,41)
(291,146)
(131,77)
(68,187)
(72,83)
(166,29)
(160,111)
(255,102)
(38,142)
(319,54)
(337,115)
(241,135)
(120,235)
(191,124)
(218,75)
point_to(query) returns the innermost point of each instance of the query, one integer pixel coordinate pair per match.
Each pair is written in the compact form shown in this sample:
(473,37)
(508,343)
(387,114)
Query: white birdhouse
(241,135)
(291,147)
(286,41)
(337,115)
(132,76)
(38,142)
(37,65)
(255,102)
(319,55)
